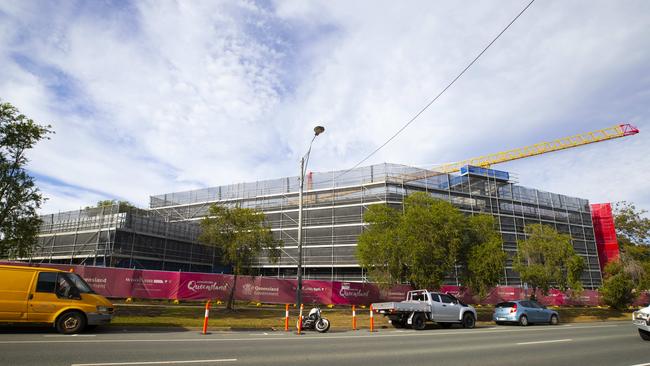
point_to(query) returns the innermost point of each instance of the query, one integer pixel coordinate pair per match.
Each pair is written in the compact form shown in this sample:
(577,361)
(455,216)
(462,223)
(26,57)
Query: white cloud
(167,96)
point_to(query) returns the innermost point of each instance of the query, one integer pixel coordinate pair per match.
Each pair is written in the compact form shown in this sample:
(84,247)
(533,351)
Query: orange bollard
(354,318)
(205,319)
(286,318)
(300,318)
(372,320)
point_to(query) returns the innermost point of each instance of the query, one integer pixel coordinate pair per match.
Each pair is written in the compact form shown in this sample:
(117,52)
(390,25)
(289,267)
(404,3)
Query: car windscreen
(457,300)
(81,285)
(506,304)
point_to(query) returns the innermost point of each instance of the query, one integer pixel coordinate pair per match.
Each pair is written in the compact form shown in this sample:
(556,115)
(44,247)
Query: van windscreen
(79,283)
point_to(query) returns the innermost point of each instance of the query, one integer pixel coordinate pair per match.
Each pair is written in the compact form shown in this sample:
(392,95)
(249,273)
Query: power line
(437,96)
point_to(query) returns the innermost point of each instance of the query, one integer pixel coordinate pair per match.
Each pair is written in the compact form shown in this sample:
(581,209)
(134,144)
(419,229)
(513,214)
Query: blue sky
(151,97)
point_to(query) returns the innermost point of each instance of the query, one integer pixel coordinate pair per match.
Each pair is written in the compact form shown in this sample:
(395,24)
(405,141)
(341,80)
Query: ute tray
(403,306)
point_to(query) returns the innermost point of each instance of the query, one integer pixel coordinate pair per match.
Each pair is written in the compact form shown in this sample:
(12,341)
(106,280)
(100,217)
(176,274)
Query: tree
(618,289)
(240,235)
(378,251)
(123,206)
(631,227)
(422,244)
(19,195)
(486,258)
(633,234)
(546,258)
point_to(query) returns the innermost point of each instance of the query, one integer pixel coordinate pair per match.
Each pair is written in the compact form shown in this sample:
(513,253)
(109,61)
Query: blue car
(524,312)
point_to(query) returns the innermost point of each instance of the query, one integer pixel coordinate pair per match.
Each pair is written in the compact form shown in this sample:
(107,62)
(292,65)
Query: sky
(151,97)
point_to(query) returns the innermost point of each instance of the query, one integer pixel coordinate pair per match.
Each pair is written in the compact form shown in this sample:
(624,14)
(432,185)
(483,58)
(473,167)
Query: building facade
(334,204)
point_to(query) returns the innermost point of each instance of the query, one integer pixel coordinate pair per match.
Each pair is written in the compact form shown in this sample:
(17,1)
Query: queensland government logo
(250,289)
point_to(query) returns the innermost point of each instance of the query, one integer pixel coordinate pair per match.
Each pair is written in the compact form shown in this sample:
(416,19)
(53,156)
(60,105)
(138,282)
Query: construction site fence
(149,284)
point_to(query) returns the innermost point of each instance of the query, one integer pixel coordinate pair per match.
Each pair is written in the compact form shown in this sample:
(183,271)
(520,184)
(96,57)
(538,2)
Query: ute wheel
(554,320)
(645,335)
(445,325)
(523,320)
(323,325)
(70,322)
(468,320)
(418,322)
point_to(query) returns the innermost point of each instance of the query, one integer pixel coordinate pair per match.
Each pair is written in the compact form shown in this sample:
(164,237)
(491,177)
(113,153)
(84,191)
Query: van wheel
(468,320)
(70,322)
(418,322)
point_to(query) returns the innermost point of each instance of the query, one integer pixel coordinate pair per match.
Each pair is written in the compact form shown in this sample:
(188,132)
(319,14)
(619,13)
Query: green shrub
(617,291)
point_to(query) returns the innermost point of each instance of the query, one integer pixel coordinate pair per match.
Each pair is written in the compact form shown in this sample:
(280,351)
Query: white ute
(421,306)
(641,319)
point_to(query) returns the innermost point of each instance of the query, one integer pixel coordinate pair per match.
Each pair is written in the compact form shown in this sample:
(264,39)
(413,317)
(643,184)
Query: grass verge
(272,317)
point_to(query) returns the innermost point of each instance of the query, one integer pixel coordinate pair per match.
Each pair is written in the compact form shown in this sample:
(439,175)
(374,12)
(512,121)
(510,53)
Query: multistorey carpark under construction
(165,236)
(334,204)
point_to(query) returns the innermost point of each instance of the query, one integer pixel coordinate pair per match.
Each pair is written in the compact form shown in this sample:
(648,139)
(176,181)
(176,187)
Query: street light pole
(303,166)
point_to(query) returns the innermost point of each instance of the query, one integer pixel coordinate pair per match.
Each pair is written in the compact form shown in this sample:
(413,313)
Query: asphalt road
(604,343)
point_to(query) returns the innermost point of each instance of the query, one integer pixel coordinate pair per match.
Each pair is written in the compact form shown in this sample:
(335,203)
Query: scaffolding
(117,236)
(335,202)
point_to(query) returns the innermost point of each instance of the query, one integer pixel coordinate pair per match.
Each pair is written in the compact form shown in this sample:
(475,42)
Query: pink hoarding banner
(264,289)
(149,284)
(354,293)
(198,286)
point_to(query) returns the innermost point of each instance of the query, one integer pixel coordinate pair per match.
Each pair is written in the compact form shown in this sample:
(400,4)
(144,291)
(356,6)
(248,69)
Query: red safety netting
(605,233)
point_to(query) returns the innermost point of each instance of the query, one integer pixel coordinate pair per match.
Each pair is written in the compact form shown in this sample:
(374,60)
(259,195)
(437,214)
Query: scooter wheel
(322,325)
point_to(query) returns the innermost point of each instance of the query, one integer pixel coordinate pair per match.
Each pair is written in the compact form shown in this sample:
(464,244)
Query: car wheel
(468,320)
(523,320)
(418,322)
(70,322)
(554,320)
(645,335)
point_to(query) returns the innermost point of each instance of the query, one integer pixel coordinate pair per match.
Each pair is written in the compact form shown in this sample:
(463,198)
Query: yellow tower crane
(485,161)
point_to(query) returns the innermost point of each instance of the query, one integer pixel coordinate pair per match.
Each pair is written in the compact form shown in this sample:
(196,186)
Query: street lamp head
(318,130)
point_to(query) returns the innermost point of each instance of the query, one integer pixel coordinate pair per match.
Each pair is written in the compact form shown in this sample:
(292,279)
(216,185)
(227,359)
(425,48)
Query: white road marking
(642,364)
(72,335)
(541,342)
(153,362)
(459,332)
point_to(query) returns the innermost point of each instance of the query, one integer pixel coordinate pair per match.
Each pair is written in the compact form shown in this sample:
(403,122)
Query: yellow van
(45,295)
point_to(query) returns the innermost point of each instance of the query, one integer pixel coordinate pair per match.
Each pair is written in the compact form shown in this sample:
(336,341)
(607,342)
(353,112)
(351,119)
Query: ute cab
(50,296)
